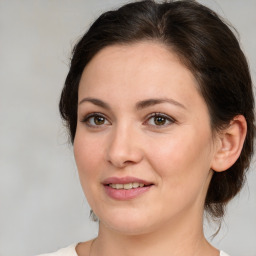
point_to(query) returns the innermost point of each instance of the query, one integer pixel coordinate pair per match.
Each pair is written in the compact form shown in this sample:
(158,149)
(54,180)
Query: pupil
(159,120)
(99,120)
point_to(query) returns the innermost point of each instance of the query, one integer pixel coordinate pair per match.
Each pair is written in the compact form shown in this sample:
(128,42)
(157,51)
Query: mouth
(127,186)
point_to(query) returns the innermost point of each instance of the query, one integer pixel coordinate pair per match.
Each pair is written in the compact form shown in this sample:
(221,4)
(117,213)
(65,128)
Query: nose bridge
(123,147)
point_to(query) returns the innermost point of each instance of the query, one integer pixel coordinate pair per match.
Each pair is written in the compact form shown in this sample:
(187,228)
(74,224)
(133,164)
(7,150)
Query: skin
(175,155)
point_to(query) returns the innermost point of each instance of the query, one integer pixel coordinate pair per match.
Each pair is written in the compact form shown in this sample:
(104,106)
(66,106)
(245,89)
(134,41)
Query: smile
(127,185)
(126,188)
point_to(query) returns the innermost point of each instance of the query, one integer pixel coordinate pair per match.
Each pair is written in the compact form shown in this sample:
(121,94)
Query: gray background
(42,207)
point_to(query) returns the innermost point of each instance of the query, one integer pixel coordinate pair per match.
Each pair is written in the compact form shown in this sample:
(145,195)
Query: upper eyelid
(94,114)
(162,115)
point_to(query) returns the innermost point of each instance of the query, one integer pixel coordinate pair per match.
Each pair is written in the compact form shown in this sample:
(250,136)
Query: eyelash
(167,118)
(93,115)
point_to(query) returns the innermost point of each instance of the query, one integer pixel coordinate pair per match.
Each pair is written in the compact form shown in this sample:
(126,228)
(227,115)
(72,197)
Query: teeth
(136,185)
(127,186)
(119,186)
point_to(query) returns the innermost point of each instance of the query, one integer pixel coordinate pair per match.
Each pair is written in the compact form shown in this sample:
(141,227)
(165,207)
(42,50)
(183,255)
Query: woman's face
(143,144)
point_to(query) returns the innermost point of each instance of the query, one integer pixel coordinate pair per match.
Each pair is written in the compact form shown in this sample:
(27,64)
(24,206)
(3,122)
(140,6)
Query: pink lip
(125,194)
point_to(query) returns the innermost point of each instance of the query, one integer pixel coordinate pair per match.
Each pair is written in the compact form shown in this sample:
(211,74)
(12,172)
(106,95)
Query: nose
(124,147)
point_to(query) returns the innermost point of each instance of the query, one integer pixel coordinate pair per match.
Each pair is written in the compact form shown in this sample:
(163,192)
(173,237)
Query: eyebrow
(96,102)
(139,105)
(151,102)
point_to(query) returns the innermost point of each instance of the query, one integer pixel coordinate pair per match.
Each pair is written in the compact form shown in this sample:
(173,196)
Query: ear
(229,144)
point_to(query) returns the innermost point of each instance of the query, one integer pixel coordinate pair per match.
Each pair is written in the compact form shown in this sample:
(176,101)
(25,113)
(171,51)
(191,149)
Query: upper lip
(125,180)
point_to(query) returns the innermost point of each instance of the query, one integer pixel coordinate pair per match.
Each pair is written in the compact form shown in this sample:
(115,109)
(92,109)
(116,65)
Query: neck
(180,237)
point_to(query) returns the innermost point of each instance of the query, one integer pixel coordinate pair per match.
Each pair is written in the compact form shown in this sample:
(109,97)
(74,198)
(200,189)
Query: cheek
(183,171)
(88,156)
(181,159)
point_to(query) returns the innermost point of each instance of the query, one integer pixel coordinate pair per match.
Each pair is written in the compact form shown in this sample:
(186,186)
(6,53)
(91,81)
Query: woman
(159,105)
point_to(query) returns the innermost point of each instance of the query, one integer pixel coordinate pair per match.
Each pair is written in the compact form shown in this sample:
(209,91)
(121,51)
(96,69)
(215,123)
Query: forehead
(138,56)
(137,71)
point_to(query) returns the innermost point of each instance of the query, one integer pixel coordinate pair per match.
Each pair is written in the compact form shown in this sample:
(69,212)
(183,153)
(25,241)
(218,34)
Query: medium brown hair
(206,45)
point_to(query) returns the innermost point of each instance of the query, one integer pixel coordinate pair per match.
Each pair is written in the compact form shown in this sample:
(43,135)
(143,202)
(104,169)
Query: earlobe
(230,144)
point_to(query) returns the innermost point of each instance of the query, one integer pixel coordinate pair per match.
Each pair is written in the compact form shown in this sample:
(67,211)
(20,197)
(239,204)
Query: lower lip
(125,194)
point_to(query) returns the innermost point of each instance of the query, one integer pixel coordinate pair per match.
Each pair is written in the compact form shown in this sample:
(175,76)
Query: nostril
(128,162)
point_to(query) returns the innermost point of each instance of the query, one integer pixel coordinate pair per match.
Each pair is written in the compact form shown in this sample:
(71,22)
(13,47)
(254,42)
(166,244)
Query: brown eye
(96,120)
(99,120)
(159,120)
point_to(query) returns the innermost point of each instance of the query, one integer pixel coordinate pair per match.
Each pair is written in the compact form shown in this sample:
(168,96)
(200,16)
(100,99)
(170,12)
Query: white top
(71,251)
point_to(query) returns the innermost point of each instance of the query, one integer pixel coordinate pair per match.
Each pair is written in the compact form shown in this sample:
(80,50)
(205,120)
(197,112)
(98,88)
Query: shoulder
(223,253)
(72,250)
(67,251)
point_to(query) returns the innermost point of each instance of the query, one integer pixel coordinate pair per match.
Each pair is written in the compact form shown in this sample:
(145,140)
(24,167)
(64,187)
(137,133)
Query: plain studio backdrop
(42,207)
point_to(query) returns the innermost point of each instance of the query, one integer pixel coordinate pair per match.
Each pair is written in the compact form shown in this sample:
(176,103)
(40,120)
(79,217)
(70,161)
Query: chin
(127,223)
